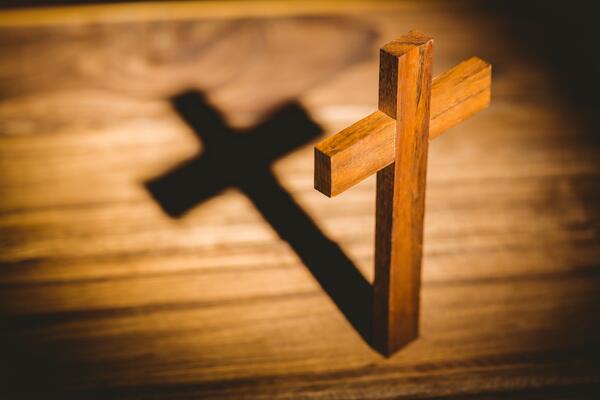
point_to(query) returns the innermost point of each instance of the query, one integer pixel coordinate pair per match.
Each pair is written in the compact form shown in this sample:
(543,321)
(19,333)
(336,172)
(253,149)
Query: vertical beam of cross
(393,142)
(404,94)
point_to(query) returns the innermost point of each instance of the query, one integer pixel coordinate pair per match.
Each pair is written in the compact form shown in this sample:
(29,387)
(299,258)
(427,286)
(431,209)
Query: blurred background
(160,236)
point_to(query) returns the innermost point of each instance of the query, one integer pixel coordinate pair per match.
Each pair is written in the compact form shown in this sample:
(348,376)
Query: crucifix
(393,142)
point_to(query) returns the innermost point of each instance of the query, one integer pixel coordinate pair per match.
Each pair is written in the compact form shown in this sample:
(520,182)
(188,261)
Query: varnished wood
(404,94)
(394,143)
(104,296)
(367,146)
(144,11)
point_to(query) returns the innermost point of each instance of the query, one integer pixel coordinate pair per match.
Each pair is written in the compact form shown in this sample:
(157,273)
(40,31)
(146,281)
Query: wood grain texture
(355,153)
(404,94)
(144,11)
(104,296)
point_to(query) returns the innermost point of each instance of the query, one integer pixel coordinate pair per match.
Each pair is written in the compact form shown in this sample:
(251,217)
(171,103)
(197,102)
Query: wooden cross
(393,142)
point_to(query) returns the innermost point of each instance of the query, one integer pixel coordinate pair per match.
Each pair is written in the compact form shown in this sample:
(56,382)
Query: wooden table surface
(104,295)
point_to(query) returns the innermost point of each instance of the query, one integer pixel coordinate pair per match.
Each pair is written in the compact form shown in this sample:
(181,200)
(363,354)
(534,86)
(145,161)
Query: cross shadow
(242,160)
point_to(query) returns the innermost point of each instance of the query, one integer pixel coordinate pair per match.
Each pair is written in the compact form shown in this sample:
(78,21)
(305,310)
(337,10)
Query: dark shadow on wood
(242,160)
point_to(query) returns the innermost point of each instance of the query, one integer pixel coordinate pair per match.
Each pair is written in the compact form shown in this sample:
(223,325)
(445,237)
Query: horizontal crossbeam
(348,157)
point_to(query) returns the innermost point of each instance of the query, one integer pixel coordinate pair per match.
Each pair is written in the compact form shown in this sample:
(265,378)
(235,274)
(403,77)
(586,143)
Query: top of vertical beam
(390,53)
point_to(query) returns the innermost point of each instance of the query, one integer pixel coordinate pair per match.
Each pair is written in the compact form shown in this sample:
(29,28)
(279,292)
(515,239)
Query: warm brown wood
(367,146)
(103,296)
(458,94)
(404,94)
(394,143)
(144,11)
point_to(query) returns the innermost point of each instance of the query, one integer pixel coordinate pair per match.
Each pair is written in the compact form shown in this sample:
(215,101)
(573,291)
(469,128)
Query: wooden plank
(404,94)
(103,296)
(179,10)
(367,146)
